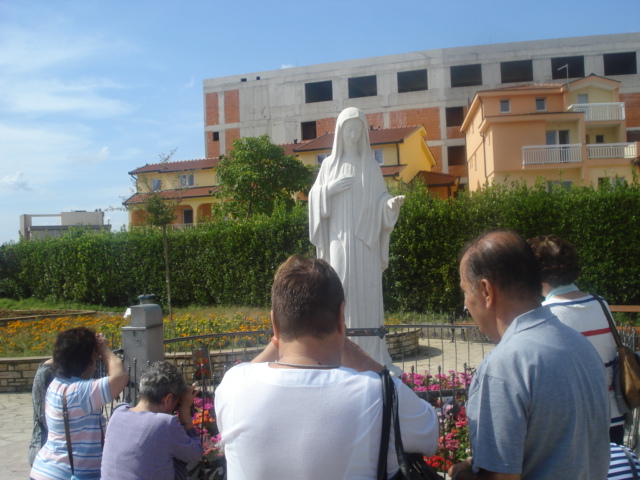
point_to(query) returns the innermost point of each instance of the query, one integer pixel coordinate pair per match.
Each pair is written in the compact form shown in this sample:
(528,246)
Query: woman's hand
(102,345)
(185,402)
(339,185)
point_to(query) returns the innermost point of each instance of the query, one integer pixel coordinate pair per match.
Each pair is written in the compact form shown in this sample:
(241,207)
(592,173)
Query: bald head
(505,259)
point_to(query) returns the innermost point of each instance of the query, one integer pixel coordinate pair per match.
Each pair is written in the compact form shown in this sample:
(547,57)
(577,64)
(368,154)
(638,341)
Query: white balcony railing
(611,150)
(594,112)
(541,154)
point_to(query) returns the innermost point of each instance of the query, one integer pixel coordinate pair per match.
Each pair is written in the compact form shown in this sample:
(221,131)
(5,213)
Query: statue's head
(351,128)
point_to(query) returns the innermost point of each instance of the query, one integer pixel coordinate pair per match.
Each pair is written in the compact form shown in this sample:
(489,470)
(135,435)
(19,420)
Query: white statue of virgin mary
(351,215)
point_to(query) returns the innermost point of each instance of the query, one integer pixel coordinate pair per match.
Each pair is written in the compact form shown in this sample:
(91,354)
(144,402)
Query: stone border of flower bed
(50,314)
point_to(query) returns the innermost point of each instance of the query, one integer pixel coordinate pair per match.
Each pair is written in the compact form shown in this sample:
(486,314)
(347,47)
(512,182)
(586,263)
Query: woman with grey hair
(143,441)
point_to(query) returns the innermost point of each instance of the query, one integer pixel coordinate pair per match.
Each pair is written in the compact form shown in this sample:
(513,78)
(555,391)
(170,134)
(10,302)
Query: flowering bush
(453,443)
(37,337)
(205,423)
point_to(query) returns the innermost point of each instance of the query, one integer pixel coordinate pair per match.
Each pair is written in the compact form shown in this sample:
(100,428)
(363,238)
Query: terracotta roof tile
(376,137)
(437,179)
(180,166)
(391,170)
(171,194)
(529,86)
(290,148)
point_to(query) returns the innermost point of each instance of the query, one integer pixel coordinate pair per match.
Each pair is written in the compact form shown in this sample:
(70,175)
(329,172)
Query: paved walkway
(16,424)
(16,411)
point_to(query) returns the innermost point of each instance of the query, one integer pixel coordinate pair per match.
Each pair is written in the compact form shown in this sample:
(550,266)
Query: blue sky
(90,90)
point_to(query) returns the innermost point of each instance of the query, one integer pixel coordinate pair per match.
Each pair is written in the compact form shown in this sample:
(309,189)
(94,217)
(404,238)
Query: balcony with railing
(612,150)
(599,112)
(551,154)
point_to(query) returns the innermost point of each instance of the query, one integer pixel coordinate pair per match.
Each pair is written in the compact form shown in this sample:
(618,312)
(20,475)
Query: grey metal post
(142,341)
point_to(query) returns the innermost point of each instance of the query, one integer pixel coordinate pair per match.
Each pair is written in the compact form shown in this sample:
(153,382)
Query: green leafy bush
(233,262)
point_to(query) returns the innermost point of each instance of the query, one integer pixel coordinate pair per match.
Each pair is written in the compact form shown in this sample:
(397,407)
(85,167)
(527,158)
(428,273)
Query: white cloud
(84,159)
(189,84)
(14,181)
(78,97)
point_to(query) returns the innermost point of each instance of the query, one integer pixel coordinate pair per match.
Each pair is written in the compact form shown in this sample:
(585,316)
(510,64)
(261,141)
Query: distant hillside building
(431,88)
(93,221)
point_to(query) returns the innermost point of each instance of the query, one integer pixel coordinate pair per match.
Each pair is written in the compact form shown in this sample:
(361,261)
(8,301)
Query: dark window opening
(318,92)
(363,86)
(599,138)
(633,135)
(516,71)
(187,217)
(574,64)
(620,63)
(412,81)
(308,130)
(466,75)
(457,155)
(216,136)
(455,116)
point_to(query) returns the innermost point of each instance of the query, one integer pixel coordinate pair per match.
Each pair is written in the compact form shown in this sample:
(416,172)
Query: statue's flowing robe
(351,231)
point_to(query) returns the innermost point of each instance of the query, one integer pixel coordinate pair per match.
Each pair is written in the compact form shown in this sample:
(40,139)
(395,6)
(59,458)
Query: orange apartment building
(574,133)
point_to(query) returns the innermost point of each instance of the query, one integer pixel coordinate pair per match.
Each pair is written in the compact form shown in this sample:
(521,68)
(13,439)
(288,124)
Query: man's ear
(342,327)
(276,334)
(168,402)
(488,292)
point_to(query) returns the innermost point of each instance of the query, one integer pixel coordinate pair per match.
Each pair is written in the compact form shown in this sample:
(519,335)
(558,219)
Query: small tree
(159,211)
(255,174)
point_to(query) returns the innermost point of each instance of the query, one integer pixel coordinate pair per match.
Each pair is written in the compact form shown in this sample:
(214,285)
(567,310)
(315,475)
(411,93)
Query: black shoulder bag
(412,465)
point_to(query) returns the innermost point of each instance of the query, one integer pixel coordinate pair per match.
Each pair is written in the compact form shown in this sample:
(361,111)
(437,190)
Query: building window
(505,106)
(187,217)
(363,86)
(516,71)
(455,116)
(575,66)
(466,75)
(599,138)
(457,155)
(321,156)
(215,136)
(612,182)
(583,98)
(557,137)
(156,185)
(186,180)
(412,81)
(308,130)
(378,153)
(318,92)
(620,63)
(541,104)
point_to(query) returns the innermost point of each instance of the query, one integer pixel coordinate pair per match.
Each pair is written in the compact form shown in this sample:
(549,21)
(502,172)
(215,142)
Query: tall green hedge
(232,262)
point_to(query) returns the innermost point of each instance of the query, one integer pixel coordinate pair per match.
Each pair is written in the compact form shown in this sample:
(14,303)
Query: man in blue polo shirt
(537,404)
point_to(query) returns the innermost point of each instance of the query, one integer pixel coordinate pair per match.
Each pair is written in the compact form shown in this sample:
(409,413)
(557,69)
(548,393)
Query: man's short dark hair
(506,260)
(305,298)
(558,259)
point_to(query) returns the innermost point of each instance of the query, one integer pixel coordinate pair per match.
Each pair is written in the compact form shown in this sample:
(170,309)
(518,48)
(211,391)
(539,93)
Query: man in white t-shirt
(310,405)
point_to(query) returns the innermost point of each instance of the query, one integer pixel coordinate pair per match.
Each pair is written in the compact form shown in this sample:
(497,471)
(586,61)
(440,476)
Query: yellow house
(192,182)
(401,152)
(574,133)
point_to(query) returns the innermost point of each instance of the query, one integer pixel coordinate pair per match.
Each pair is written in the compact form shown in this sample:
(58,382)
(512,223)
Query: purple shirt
(144,444)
